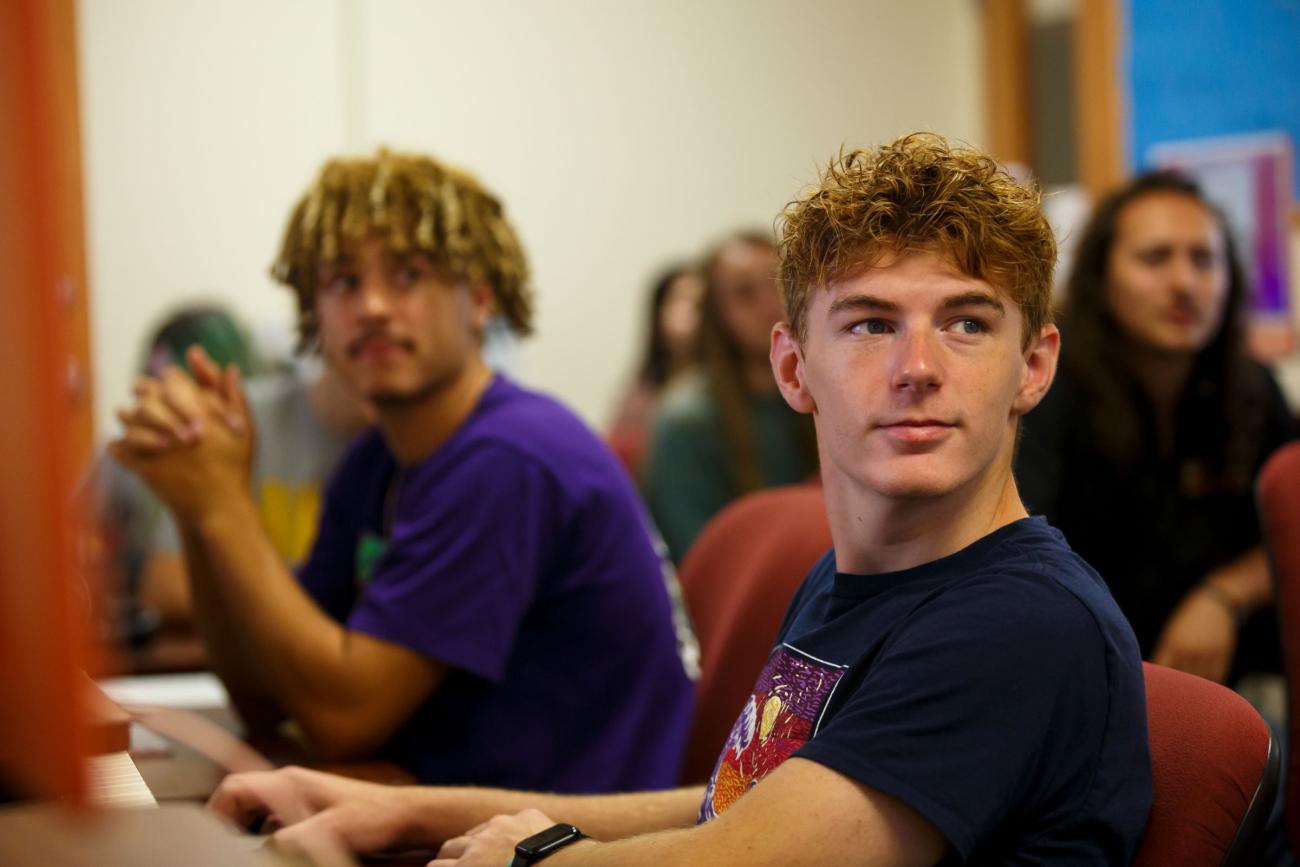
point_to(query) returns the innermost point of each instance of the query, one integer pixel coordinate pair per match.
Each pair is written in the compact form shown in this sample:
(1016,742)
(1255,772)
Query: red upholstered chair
(738,578)
(1278,493)
(1215,767)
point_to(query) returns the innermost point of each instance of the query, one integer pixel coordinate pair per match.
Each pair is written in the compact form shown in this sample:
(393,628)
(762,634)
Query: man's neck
(873,534)
(1162,374)
(413,431)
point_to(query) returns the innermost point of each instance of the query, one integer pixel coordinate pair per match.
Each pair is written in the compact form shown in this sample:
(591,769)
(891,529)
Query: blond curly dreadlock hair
(918,193)
(415,204)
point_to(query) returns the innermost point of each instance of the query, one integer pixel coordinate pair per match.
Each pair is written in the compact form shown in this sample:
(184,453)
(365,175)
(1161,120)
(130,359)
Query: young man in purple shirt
(483,603)
(952,684)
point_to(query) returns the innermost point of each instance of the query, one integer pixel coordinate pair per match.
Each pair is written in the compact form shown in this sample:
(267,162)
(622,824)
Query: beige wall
(621,135)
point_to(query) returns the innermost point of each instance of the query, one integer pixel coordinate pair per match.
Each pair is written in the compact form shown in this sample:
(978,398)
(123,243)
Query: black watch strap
(544,844)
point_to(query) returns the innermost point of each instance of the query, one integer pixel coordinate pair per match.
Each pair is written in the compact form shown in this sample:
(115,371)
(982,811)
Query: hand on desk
(191,440)
(305,808)
(310,811)
(492,843)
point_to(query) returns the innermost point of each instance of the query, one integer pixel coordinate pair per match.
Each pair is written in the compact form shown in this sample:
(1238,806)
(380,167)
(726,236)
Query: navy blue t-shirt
(518,555)
(997,691)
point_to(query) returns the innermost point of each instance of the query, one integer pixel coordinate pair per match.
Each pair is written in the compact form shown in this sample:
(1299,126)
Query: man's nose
(1183,273)
(374,297)
(917,366)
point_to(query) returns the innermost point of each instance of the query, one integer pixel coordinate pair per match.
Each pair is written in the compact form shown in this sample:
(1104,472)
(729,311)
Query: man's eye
(409,275)
(970,326)
(870,326)
(339,283)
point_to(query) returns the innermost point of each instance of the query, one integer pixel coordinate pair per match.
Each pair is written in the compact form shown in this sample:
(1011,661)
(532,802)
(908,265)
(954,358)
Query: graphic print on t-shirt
(781,715)
(370,547)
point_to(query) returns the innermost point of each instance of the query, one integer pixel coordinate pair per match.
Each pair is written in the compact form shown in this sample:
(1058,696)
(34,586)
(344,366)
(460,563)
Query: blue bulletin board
(1212,68)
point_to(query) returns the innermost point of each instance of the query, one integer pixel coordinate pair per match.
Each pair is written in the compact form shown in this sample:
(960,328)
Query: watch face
(544,843)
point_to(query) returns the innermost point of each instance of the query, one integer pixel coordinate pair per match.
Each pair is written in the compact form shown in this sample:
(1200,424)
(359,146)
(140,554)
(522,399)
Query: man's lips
(377,346)
(922,430)
(1182,316)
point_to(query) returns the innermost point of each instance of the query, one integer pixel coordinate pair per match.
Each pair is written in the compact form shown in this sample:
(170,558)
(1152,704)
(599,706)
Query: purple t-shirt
(517,554)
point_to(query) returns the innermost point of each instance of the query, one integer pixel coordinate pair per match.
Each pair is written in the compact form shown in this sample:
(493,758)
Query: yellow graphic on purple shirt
(779,718)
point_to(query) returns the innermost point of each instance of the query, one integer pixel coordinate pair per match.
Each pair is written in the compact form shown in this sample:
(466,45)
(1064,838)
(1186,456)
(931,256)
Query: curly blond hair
(918,193)
(415,204)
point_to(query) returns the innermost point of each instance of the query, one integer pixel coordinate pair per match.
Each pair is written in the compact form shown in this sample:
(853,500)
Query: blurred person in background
(136,525)
(1146,449)
(723,430)
(671,330)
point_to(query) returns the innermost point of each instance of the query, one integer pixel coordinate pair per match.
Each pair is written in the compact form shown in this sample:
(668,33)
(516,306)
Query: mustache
(355,346)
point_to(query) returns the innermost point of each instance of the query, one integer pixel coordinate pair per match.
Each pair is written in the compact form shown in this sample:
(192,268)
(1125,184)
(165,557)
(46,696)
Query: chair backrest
(1215,767)
(738,578)
(1278,494)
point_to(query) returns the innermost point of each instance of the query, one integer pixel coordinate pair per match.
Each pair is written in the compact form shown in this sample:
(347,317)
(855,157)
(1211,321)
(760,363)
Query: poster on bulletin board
(1249,177)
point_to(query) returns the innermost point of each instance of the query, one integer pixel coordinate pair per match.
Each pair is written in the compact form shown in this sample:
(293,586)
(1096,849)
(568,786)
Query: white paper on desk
(196,691)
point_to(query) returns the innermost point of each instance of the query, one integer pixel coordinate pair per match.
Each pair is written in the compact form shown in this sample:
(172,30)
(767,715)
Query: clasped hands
(191,440)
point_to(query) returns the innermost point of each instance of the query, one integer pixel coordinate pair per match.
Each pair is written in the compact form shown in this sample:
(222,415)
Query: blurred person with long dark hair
(1145,451)
(723,430)
(672,324)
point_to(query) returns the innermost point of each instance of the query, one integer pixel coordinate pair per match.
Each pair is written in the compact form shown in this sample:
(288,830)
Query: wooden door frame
(45,377)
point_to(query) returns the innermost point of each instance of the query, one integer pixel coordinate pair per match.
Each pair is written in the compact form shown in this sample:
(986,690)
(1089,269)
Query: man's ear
(483,305)
(786,356)
(1040,369)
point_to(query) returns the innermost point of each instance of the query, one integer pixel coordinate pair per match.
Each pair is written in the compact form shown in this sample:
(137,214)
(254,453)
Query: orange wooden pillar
(45,404)
(1099,97)
(1007,102)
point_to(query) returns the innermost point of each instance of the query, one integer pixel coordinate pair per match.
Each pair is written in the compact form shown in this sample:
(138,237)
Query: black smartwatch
(545,844)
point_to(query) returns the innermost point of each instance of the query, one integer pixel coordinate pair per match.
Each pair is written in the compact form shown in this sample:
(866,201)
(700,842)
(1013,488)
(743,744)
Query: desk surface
(173,834)
(175,772)
(166,654)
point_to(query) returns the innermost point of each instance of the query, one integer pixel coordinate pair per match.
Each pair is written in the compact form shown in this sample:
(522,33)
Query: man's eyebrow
(342,260)
(974,299)
(859,302)
(862,302)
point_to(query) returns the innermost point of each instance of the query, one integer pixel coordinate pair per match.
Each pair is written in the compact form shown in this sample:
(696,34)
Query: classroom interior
(151,150)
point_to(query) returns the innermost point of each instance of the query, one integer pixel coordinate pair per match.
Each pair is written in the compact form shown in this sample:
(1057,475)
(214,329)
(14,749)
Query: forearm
(228,653)
(838,822)
(257,604)
(1245,581)
(677,846)
(439,813)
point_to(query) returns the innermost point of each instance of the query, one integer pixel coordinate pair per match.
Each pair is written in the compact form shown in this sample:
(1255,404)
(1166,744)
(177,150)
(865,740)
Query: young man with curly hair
(483,603)
(952,684)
